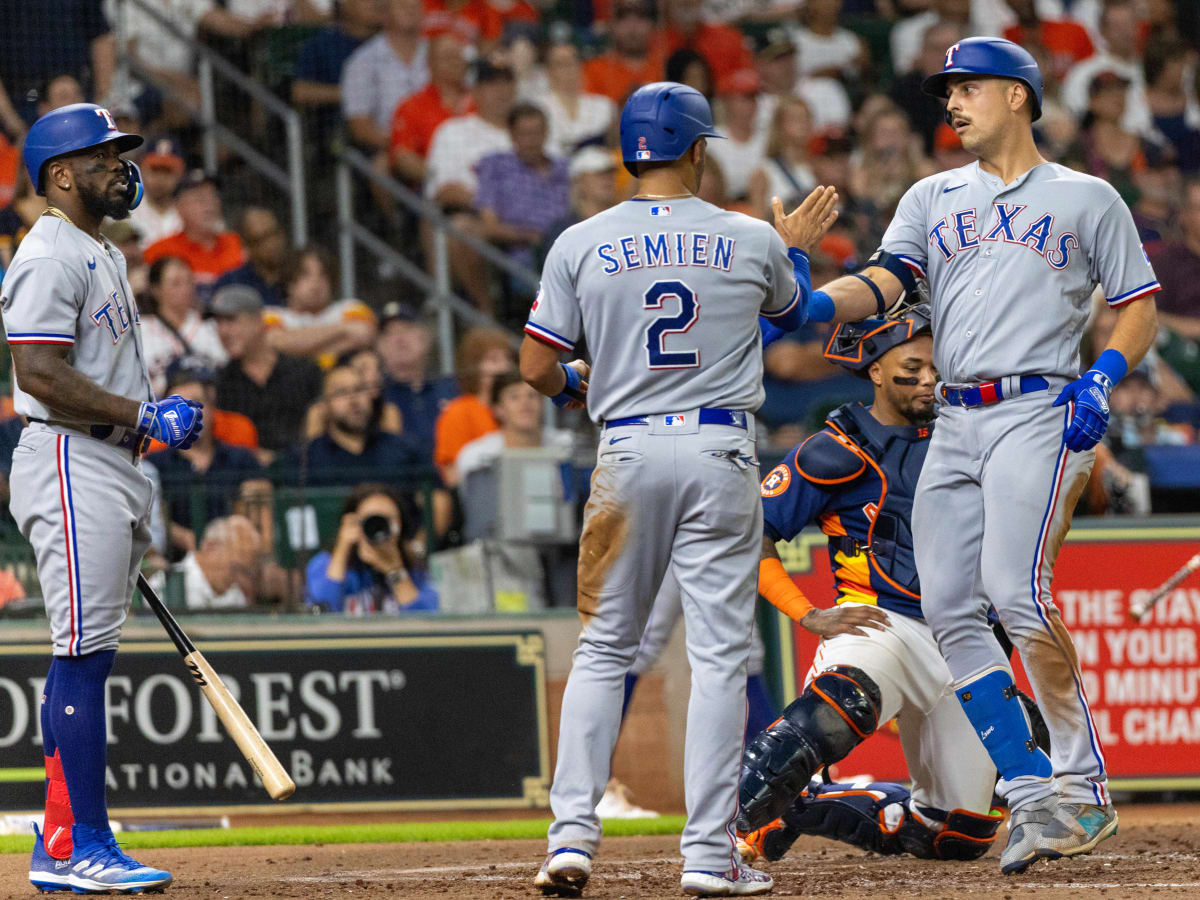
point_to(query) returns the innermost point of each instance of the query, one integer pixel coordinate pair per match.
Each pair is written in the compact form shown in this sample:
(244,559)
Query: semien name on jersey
(666,248)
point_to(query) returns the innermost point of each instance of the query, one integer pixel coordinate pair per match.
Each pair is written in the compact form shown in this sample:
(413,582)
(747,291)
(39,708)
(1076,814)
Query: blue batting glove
(174,421)
(1090,419)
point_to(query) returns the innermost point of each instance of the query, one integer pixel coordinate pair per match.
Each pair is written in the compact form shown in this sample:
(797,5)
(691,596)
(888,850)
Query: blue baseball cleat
(99,867)
(45,872)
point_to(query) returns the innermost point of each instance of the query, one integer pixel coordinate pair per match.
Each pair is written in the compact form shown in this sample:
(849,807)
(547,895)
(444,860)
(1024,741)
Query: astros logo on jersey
(777,481)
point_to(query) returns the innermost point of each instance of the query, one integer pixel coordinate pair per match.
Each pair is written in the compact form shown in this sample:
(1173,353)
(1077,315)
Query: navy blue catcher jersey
(856,479)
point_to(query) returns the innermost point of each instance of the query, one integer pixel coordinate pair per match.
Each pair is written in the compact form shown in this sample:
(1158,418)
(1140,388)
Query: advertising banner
(1142,680)
(401,721)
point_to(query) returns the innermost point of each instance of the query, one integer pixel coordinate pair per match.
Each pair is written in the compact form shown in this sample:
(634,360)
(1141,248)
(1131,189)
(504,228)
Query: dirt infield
(1156,853)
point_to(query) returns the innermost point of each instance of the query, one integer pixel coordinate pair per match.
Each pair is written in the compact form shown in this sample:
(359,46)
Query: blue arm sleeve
(796,314)
(320,588)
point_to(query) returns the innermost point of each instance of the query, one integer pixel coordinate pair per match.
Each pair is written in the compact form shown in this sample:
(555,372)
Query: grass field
(409,832)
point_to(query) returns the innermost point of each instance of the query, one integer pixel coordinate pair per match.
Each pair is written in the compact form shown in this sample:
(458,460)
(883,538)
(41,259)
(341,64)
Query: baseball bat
(1139,609)
(260,756)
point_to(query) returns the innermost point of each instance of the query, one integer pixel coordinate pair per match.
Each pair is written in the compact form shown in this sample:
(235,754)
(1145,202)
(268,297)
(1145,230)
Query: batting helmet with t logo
(988,56)
(661,121)
(70,129)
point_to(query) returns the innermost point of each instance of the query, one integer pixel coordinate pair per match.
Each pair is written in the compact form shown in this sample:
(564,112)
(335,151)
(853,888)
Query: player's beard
(101,203)
(917,413)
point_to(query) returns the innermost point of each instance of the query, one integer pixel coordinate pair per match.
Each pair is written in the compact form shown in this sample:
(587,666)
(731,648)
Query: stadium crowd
(502,113)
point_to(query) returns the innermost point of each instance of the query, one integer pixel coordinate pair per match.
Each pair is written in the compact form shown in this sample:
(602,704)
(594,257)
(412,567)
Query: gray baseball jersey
(66,288)
(82,502)
(668,293)
(1011,268)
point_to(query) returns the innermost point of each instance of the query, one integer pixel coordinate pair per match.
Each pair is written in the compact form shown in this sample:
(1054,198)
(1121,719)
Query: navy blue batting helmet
(68,129)
(855,345)
(661,121)
(988,56)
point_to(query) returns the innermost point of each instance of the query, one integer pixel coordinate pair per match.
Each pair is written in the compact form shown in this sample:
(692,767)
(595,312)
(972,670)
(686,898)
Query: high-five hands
(804,226)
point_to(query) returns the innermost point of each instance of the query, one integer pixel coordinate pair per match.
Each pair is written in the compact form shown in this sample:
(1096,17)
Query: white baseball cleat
(564,873)
(740,882)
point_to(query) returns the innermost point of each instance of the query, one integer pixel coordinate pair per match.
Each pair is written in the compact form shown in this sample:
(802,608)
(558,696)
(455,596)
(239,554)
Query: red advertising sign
(1142,680)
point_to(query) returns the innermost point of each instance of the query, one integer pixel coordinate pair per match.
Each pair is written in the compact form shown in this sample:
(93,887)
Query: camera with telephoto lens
(377,529)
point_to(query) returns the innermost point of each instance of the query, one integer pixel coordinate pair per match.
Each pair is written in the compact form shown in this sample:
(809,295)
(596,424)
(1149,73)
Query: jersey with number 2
(667,293)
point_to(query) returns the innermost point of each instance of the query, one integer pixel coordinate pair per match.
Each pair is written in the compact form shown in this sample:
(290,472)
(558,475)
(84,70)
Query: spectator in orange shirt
(722,46)
(1065,42)
(204,244)
(417,118)
(634,58)
(482,354)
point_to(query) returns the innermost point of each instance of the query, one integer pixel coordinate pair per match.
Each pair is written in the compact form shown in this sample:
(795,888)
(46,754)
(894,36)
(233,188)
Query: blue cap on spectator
(397,311)
(187,369)
(164,153)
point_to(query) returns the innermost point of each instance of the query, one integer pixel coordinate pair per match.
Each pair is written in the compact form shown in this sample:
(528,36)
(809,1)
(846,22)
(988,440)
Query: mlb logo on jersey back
(660,210)
(675,421)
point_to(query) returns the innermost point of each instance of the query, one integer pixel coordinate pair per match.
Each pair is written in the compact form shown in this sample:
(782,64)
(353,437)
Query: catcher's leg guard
(836,712)
(1002,724)
(881,817)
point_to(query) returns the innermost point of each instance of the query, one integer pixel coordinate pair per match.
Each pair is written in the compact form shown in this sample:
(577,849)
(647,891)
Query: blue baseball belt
(733,417)
(989,392)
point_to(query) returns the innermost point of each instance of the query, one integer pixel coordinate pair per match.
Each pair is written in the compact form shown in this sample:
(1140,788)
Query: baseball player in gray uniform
(667,290)
(1012,247)
(78,491)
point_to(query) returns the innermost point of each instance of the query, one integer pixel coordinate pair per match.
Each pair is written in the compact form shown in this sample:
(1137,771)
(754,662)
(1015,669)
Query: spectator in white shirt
(225,570)
(907,35)
(785,171)
(384,72)
(1119,31)
(574,116)
(823,48)
(156,216)
(172,326)
(742,150)
(828,103)
(519,410)
(458,145)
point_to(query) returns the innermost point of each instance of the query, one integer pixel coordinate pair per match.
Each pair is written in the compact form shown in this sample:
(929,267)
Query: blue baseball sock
(77,721)
(761,709)
(631,681)
(49,745)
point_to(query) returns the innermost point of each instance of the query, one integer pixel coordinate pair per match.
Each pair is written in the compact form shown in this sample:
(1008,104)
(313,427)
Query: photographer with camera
(371,568)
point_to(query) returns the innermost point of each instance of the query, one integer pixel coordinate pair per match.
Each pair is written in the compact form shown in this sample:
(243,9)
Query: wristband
(570,389)
(1112,365)
(880,303)
(147,413)
(821,307)
(777,587)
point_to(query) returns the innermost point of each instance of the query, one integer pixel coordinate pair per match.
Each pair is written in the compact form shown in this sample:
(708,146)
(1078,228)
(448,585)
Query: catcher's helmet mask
(661,121)
(988,56)
(855,345)
(70,129)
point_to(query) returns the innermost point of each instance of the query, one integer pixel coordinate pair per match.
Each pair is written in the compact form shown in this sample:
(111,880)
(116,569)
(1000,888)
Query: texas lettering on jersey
(1011,223)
